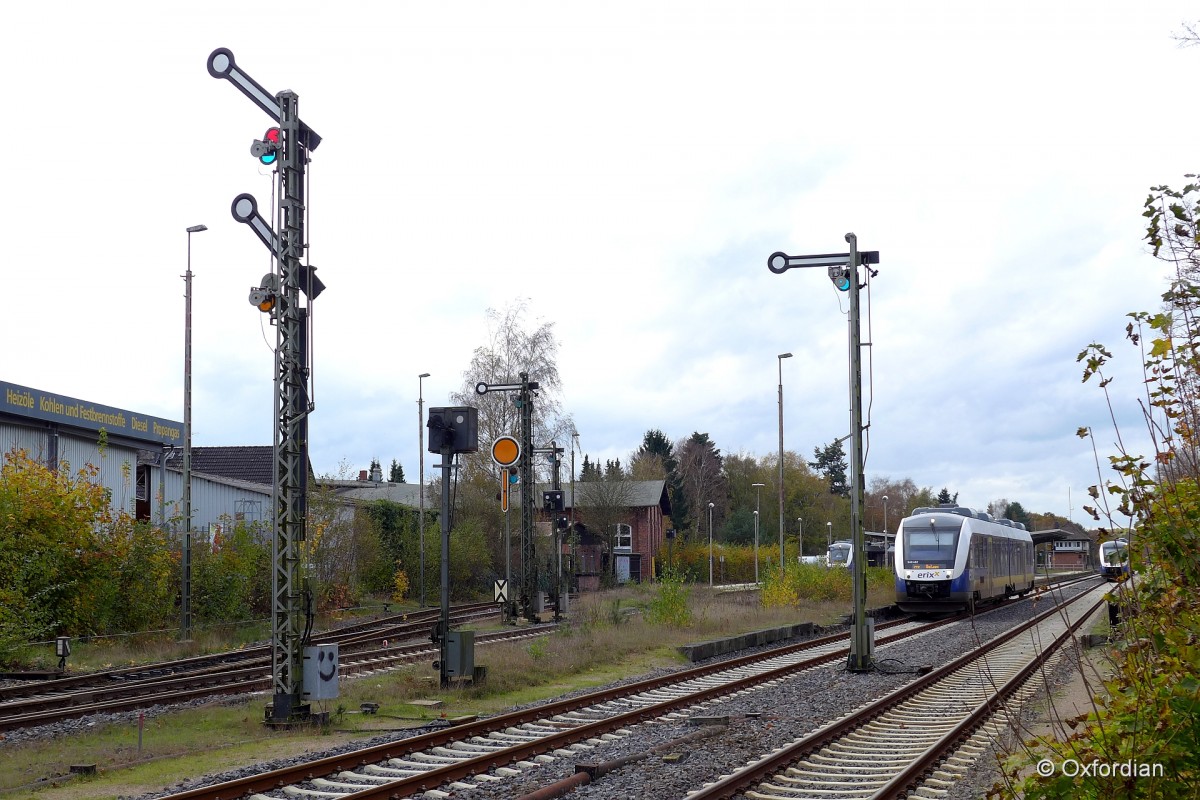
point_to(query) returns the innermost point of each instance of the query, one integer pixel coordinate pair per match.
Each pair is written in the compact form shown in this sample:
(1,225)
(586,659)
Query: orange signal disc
(505,451)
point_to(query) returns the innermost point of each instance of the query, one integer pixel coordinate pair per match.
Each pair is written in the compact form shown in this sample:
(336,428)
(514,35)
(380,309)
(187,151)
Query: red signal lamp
(266,149)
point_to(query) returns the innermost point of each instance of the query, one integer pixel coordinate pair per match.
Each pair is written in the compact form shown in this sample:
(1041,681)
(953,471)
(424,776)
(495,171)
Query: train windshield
(928,544)
(839,555)
(1113,553)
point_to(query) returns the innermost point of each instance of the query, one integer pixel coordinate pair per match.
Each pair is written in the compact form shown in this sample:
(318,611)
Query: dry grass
(606,638)
(103,652)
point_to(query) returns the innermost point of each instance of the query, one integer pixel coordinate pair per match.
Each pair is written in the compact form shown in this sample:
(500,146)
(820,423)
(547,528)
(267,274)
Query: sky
(625,169)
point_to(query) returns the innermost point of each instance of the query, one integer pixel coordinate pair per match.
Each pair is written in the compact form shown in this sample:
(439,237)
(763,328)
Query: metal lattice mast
(279,294)
(291,407)
(528,550)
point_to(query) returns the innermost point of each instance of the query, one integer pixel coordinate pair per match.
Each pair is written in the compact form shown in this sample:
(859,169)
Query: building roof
(408,494)
(1051,535)
(249,463)
(641,494)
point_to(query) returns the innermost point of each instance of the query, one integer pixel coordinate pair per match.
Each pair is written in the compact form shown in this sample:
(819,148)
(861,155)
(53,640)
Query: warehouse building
(139,457)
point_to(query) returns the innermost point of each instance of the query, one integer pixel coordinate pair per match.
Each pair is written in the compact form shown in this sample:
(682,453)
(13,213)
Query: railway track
(490,751)
(361,649)
(482,755)
(905,743)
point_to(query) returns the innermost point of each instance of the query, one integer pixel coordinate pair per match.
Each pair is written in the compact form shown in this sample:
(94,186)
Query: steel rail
(467,768)
(775,762)
(553,741)
(908,778)
(198,664)
(41,711)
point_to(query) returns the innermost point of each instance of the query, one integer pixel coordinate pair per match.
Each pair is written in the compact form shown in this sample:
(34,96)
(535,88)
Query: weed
(615,616)
(538,648)
(669,606)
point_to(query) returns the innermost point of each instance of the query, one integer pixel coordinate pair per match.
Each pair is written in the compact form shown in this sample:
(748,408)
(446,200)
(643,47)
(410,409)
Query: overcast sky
(627,167)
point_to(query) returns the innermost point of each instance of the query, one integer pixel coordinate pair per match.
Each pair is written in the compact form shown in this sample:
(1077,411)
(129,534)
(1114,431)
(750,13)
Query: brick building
(629,514)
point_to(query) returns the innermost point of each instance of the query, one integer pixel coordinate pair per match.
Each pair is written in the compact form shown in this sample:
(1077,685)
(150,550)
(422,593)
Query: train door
(995,567)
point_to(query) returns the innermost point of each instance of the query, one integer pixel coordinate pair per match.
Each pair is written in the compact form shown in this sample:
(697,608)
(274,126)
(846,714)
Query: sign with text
(64,410)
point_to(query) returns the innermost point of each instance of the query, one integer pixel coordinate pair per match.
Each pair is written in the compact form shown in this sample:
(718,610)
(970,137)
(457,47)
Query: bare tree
(998,508)
(513,348)
(903,496)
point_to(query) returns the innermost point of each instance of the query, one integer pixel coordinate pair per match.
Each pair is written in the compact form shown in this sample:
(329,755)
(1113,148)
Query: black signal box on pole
(455,429)
(552,500)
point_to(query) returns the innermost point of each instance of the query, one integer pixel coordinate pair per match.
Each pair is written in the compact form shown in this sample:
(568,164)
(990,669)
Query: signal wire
(272,261)
(308,329)
(870,372)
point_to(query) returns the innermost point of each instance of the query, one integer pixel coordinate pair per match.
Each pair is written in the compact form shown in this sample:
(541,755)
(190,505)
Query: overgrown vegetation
(1145,732)
(670,603)
(74,564)
(68,561)
(816,583)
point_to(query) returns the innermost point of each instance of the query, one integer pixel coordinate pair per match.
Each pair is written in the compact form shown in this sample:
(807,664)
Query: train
(840,555)
(879,552)
(1114,560)
(952,558)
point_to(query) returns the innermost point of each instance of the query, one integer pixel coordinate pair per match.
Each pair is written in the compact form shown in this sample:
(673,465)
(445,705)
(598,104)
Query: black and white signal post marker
(843,271)
(287,148)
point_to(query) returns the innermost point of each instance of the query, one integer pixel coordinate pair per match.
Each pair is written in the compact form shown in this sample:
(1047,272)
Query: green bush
(817,583)
(670,606)
(231,578)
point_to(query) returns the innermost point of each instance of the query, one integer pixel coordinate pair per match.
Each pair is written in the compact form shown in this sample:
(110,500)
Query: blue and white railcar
(840,554)
(951,558)
(879,553)
(1114,560)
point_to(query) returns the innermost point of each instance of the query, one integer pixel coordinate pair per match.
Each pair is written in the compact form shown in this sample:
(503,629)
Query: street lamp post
(421,480)
(186,627)
(756,545)
(710,546)
(571,526)
(829,533)
(757,506)
(885,527)
(800,541)
(780,359)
